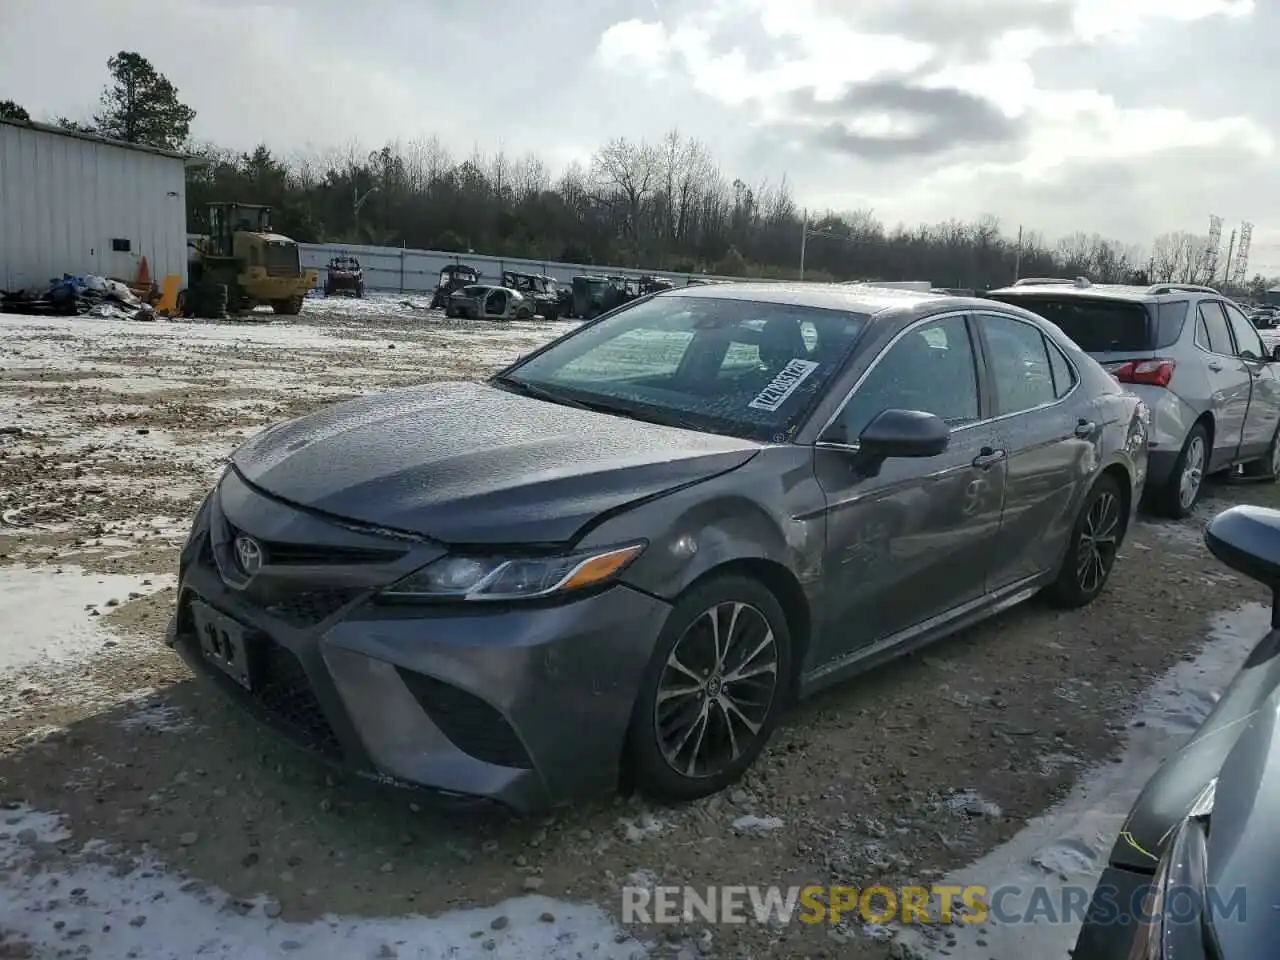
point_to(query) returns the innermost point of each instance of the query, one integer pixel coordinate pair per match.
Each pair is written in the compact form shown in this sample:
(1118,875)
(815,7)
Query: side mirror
(1247,539)
(904,433)
(1275,352)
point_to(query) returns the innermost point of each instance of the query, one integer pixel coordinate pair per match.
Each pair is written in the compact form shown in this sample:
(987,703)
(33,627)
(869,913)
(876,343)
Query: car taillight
(1154,373)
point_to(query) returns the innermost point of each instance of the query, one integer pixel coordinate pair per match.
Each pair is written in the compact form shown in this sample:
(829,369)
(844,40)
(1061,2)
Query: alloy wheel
(716,689)
(1099,537)
(1192,473)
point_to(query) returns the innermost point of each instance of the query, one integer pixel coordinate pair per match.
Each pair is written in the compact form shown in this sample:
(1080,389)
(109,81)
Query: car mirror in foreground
(904,433)
(1247,539)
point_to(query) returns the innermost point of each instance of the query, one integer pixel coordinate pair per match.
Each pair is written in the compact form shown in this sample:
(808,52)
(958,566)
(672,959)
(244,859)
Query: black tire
(1091,554)
(1169,499)
(451,313)
(1267,469)
(686,629)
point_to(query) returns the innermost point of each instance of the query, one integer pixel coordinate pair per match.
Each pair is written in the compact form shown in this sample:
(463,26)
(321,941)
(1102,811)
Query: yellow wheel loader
(241,264)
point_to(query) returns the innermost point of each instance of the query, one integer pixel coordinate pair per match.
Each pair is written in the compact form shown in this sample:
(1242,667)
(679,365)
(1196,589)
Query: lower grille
(473,726)
(283,691)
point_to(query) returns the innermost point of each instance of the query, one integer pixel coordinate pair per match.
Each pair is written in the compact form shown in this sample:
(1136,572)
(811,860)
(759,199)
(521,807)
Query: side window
(1170,319)
(1248,343)
(1212,332)
(1064,376)
(1020,364)
(931,368)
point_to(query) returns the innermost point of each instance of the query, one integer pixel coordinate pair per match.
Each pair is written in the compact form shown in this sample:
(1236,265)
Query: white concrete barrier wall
(416,272)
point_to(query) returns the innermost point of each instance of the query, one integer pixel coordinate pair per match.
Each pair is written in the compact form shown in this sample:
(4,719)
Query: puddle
(84,901)
(1068,846)
(45,617)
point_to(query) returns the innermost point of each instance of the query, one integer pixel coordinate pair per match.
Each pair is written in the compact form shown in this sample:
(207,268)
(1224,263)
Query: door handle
(1214,366)
(1085,428)
(987,457)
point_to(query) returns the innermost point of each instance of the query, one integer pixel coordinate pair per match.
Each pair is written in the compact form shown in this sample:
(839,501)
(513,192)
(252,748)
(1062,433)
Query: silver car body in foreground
(1194,358)
(619,558)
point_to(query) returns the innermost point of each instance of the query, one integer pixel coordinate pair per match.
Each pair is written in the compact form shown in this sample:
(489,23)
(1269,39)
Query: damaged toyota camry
(617,560)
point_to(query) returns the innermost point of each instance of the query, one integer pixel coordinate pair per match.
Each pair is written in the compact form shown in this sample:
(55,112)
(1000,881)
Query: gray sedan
(620,558)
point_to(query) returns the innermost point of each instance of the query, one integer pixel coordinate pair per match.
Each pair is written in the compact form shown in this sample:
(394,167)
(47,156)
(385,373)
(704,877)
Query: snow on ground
(140,909)
(1069,845)
(46,613)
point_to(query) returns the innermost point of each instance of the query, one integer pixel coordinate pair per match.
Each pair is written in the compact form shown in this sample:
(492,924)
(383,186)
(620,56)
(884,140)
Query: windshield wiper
(527,389)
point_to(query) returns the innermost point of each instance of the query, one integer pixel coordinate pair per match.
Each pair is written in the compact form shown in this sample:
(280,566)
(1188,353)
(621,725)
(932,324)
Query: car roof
(852,297)
(1108,291)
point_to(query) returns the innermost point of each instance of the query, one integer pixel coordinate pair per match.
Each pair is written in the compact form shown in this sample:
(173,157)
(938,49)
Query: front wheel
(290,307)
(712,692)
(1091,554)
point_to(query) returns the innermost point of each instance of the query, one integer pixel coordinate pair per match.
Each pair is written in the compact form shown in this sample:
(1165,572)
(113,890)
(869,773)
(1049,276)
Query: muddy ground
(109,435)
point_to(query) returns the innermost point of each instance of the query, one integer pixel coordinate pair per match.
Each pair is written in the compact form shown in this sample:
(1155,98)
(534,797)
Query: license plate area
(225,643)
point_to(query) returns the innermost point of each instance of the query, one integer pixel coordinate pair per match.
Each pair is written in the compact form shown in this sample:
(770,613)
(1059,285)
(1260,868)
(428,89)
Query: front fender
(769,509)
(704,537)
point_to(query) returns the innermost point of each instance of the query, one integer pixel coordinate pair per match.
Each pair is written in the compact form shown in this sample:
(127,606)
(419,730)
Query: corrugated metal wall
(64,200)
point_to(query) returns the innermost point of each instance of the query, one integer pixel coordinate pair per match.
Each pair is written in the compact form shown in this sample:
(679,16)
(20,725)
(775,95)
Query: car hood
(468,463)
(1244,839)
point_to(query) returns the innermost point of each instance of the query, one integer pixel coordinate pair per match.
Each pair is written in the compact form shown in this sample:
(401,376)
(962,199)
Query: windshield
(1097,326)
(725,366)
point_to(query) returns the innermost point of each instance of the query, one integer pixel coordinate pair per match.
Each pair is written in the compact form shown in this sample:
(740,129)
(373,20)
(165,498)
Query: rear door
(1230,382)
(1049,430)
(1264,400)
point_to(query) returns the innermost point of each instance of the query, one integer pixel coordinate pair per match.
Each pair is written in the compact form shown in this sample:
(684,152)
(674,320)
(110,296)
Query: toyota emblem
(249,554)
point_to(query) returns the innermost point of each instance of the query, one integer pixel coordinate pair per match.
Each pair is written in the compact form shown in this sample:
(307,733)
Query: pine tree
(9,110)
(142,106)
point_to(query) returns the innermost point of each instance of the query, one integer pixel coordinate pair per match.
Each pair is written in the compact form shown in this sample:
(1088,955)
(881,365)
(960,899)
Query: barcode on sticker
(783,385)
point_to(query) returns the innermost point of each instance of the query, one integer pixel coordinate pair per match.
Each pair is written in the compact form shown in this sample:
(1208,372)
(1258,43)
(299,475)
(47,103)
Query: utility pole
(804,237)
(806,233)
(1017,262)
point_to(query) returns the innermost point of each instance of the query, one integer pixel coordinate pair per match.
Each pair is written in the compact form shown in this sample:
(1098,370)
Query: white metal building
(74,203)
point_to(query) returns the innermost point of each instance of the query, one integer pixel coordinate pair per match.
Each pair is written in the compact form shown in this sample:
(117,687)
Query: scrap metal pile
(79,296)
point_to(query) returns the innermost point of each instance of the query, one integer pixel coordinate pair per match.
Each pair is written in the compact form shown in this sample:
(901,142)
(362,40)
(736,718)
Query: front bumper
(526,705)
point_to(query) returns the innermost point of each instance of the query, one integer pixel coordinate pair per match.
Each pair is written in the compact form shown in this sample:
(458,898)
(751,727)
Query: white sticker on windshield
(783,385)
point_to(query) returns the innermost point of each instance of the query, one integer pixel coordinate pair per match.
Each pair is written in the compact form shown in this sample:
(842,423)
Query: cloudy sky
(1126,117)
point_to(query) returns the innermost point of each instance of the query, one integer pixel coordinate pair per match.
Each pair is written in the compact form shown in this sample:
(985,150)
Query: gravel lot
(185,826)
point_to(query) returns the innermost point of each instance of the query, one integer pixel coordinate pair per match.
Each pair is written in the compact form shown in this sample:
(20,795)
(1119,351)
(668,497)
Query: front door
(1050,432)
(1229,383)
(1263,415)
(495,303)
(914,541)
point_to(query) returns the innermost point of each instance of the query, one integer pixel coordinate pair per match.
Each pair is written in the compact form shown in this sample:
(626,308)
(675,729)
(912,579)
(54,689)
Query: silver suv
(1193,357)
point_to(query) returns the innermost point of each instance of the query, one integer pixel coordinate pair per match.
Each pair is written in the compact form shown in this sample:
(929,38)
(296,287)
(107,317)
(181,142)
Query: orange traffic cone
(144,272)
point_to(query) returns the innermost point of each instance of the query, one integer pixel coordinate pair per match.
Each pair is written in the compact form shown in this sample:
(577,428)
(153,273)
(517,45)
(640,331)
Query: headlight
(1173,918)
(459,577)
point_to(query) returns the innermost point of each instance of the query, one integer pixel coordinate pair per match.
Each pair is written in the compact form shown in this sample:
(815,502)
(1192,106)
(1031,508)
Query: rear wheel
(712,692)
(1092,551)
(1178,497)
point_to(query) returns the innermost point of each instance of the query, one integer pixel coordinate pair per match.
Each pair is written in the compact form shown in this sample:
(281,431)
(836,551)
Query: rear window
(1106,326)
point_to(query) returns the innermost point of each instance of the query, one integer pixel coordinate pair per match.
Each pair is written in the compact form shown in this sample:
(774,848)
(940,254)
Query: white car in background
(1201,366)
